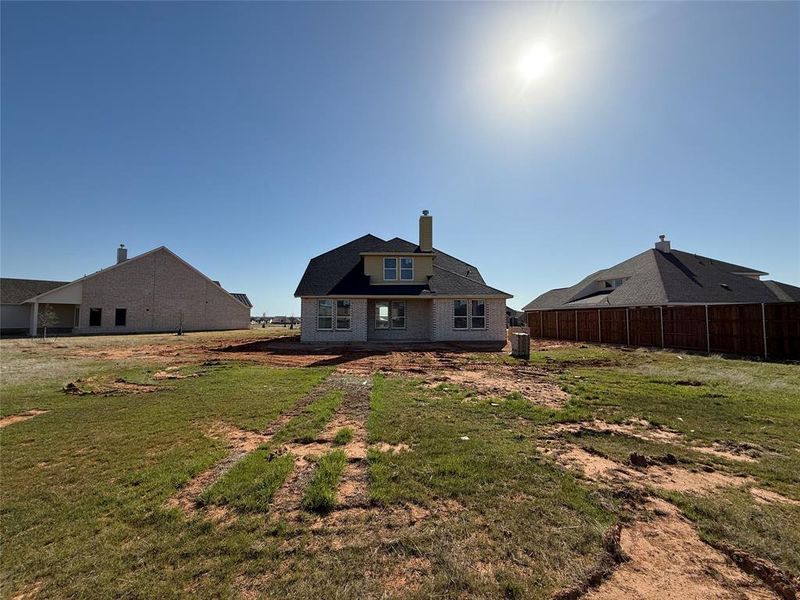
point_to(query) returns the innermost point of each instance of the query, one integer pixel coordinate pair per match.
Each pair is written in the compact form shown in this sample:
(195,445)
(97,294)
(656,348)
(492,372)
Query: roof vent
(663,244)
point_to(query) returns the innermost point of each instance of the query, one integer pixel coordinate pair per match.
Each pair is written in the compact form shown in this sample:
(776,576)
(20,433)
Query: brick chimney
(663,244)
(425,232)
(122,254)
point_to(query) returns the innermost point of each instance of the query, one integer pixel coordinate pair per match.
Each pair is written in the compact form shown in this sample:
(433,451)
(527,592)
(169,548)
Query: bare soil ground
(24,416)
(666,559)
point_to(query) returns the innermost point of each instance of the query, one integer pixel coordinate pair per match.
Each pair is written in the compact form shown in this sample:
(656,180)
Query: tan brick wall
(495,322)
(308,321)
(159,291)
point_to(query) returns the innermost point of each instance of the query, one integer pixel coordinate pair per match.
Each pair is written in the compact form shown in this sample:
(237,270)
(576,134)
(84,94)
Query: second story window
(389,269)
(398,269)
(407,269)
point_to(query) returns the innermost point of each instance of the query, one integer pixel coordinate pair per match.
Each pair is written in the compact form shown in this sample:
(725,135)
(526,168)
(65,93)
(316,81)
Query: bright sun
(534,62)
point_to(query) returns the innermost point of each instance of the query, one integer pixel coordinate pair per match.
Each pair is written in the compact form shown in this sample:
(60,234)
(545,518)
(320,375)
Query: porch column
(34,319)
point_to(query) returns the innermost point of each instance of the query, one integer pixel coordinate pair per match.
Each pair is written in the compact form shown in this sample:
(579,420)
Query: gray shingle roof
(657,278)
(340,272)
(241,298)
(14,291)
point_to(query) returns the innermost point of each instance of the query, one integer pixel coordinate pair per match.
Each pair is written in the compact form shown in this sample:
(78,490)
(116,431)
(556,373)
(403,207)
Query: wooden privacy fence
(769,330)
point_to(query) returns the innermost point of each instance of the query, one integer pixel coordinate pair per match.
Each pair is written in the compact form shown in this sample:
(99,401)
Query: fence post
(627,326)
(576,325)
(764,327)
(599,329)
(541,325)
(557,337)
(708,334)
(661,314)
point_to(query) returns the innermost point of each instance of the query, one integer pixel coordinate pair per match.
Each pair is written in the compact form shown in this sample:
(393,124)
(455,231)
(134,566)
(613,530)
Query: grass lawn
(467,506)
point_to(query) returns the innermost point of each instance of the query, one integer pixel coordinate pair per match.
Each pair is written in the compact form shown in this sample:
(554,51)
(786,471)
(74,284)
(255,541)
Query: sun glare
(534,63)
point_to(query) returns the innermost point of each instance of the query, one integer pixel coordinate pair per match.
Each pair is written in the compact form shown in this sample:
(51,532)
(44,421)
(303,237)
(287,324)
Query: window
(390,315)
(381,315)
(469,314)
(460,320)
(478,314)
(398,315)
(392,271)
(120,316)
(343,314)
(407,269)
(95,317)
(325,314)
(389,269)
(613,283)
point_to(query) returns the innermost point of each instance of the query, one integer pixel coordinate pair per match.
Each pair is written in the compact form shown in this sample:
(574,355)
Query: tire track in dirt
(353,486)
(241,442)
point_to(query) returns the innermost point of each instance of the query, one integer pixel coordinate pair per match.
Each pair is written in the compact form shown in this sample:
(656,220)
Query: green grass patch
(252,482)
(343,436)
(305,427)
(320,495)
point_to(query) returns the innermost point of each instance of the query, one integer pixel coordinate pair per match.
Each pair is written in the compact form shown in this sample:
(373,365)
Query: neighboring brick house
(155,291)
(376,290)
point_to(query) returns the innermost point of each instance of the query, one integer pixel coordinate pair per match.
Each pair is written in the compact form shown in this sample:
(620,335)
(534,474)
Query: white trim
(396,268)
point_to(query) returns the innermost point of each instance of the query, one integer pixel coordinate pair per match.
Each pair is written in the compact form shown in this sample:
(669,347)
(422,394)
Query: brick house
(155,291)
(376,290)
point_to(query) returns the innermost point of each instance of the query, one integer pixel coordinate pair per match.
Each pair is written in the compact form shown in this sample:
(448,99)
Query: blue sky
(249,137)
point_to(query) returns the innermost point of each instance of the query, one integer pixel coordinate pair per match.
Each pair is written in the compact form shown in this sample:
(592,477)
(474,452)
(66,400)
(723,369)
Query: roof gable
(340,272)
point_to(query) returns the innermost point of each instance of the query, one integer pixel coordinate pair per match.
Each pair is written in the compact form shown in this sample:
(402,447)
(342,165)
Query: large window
(325,314)
(95,317)
(328,320)
(120,317)
(343,314)
(469,314)
(401,268)
(389,269)
(390,315)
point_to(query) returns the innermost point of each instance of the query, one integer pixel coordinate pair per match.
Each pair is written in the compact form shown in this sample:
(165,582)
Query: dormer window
(401,268)
(611,284)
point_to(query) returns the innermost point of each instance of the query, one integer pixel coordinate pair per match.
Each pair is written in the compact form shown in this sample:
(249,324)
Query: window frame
(379,325)
(400,268)
(348,316)
(330,304)
(395,268)
(124,317)
(469,314)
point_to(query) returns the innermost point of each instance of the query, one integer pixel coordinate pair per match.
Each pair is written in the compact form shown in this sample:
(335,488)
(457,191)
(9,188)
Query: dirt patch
(663,476)
(501,381)
(644,430)
(120,386)
(784,585)
(390,448)
(763,496)
(23,416)
(667,559)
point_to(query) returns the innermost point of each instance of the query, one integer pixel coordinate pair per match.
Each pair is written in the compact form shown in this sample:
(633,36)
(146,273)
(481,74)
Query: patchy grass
(320,495)
(305,427)
(343,436)
(252,482)
(84,485)
(471,510)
